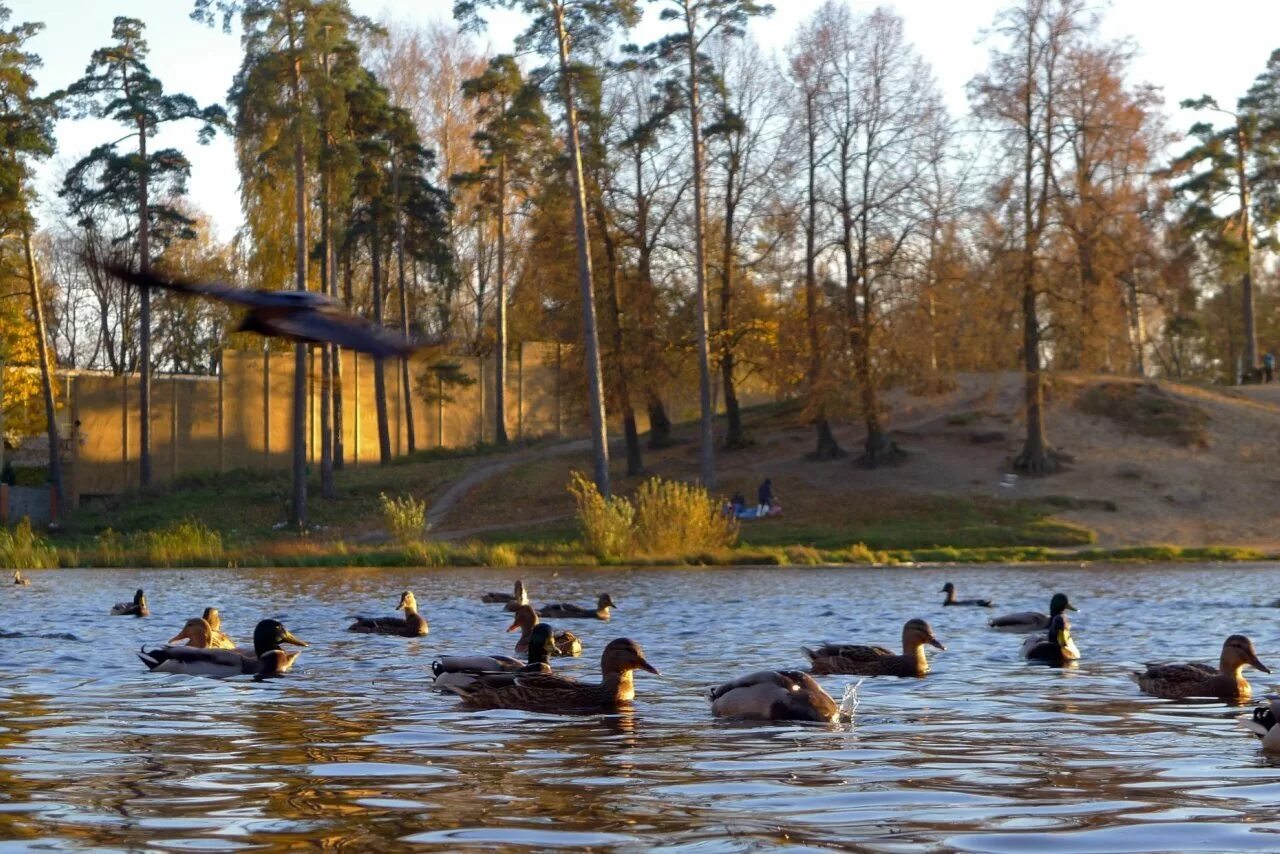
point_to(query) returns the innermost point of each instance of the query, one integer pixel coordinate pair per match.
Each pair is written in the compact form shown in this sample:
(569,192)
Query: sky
(1181,49)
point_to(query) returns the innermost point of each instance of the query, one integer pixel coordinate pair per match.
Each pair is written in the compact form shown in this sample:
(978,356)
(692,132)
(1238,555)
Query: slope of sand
(1131,489)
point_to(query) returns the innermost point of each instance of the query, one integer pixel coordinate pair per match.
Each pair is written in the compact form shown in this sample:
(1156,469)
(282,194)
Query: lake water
(352,750)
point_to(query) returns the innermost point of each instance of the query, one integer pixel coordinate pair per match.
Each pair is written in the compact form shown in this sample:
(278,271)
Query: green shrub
(405,517)
(502,556)
(673,518)
(21,548)
(186,543)
(606,523)
(804,556)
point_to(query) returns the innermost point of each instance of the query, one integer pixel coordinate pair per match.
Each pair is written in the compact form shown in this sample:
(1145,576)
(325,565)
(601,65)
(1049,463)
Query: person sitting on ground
(765,495)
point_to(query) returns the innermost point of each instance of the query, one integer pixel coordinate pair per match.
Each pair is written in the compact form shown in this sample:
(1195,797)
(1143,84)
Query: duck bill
(1258,665)
(290,637)
(182,635)
(937,643)
(642,664)
(1071,607)
(513,626)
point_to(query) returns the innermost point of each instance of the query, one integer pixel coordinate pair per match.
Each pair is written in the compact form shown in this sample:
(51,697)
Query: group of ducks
(500,681)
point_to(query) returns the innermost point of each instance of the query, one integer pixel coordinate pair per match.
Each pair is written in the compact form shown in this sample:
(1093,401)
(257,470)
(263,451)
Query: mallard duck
(199,634)
(1032,621)
(570,611)
(560,695)
(20,579)
(774,695)
(1180,681)
(1056,647)
(218,638)
(498,670)
(136,608)
(876,660)
(950,590)
(511,600)
(268,658)
(526,619)
(411,625)
(1262,723)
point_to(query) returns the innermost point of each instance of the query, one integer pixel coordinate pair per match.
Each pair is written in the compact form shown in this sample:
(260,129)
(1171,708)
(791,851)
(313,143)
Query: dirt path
(458,490)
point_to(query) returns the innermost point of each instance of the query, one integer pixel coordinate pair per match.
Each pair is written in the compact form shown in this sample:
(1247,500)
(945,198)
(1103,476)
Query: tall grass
(186,543)
(405,518)
(21,548)
(665,519)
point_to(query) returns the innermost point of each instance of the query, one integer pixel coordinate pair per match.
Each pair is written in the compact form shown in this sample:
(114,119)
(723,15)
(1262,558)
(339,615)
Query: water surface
(352,750)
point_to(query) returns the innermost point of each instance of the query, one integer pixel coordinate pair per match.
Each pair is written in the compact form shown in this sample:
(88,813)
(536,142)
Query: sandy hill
(1151,462)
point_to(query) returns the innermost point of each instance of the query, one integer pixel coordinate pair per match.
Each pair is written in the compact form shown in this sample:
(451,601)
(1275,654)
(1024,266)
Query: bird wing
(221,291)
(1190,672)
(854,652)
(334,326)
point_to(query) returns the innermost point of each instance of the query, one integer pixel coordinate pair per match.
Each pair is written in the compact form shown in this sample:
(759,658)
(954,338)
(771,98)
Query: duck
(552,693)
(199,634)
(1180,681)
(268,658)
(1032,621)
(950,590)
(1262,723)
(19,579)
(218,638)
(411,625)
(136,608)
(1056,647)
(526,619)
(774,695)
(570,611)
(511,600)
(876,660)
(498,670)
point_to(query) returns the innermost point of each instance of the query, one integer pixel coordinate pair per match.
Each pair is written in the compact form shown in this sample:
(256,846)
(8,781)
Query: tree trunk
(379,369)
(591,344)
(144,263)
(659,423)
(298,512)
(339,412)
(500,315)
(826,448)
(735,435)
(407,395)
(327,488)
(46,371)
(1246,281)
(706,449)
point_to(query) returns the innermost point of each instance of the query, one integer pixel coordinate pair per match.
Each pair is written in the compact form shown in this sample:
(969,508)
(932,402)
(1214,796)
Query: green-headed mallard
(1055,647)
(950,590)
(411,625)
(511,600)
(268,659)
(199,634)
(136,608)
(1032,621)
(774,695)
(498,670)
(20,579)
(560,695)
(570,611)
(1262,723)
(526,618)
(1180,681)
(876,660)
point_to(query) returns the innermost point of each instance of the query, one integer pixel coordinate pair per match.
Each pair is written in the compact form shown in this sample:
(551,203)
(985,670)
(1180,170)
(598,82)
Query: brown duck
(876,660)
(570,611)
(1180,681)
(566,643)
(411,625)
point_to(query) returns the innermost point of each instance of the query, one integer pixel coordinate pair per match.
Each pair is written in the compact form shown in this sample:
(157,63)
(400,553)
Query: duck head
(196,632)
(1060,631)
(408,603)
(139,598)
(542,643)
(521,596)
(212,617)
(916,633)
(622,656)
(605,601)
(269,634)
(1060,603)
(1237,651)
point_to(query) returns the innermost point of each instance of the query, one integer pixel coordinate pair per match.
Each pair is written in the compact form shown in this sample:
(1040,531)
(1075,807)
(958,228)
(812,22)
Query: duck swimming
(511,600)
(495,671)
(218,638)
(268,658)
(876,660)
(200,635)
(560,695)
(1032,621)
(570,611)
(136,608)
(1262,723)
(525,619)
(20,579)
(774,695)
(411,625)
(1056,648)
(1180,681)
(950,590)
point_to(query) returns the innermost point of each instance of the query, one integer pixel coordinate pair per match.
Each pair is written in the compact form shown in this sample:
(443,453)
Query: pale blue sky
(1182,50)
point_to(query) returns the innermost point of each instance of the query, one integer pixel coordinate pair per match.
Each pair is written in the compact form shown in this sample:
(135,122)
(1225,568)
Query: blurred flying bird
(304,316)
